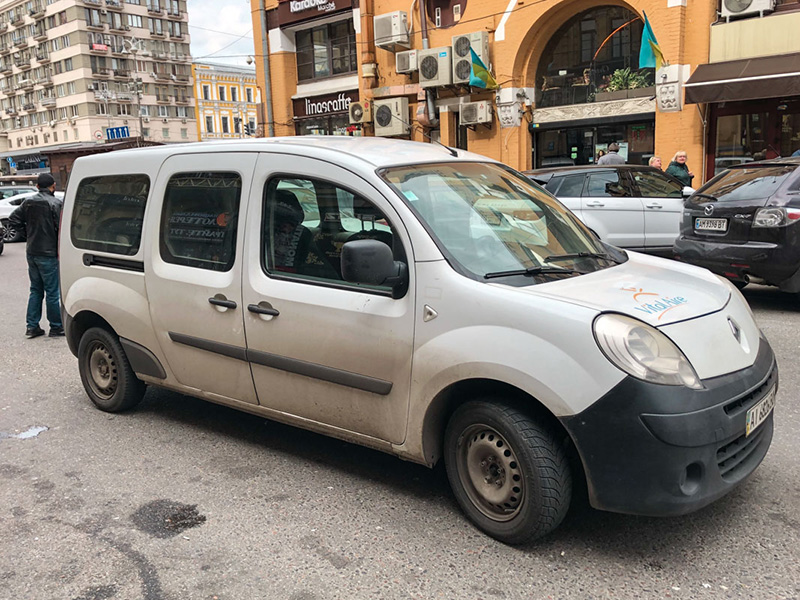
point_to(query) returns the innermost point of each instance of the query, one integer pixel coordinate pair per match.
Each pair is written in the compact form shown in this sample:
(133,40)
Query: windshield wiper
(709,196)
(531,271)
(580,255)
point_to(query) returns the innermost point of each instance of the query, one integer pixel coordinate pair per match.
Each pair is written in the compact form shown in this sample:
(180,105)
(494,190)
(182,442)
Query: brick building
(568,70)
(227,101)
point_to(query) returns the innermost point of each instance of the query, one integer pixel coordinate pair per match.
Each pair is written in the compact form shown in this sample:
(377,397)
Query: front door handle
(654,205)
(595,203)
(262,310)
(222,302)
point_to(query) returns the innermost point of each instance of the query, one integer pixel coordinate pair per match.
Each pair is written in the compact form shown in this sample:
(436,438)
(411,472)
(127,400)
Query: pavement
(182,499)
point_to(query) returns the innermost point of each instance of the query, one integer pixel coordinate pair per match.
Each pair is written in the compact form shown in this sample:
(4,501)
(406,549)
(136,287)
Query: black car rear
(745,224)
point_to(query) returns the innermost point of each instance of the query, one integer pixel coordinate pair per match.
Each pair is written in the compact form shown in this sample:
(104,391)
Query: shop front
(325,115)
(753,109)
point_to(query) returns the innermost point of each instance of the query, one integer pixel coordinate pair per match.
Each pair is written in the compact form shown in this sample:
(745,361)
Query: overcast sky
(214,24)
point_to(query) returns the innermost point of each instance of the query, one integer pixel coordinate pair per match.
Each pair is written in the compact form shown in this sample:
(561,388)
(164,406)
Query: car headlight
(643,351)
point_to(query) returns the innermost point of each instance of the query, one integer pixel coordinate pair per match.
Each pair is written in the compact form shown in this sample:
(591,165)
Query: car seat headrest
(287,208)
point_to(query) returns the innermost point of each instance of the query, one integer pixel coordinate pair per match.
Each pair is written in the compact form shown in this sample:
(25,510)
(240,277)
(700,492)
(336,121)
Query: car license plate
(758,414)
(703,224)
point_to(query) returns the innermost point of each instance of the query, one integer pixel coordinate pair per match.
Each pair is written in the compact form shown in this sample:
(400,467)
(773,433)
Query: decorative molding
(675,3)
(593,110)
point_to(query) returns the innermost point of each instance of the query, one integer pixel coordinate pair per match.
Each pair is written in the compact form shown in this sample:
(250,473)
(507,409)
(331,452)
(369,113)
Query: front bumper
(643,457)
(773,262)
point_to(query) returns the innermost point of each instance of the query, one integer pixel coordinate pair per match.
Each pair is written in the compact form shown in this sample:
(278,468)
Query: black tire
(12,235)
(509,473)
(106,373)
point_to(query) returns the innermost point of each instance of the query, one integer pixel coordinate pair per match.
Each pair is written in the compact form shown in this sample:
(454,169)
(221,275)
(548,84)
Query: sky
(214,24)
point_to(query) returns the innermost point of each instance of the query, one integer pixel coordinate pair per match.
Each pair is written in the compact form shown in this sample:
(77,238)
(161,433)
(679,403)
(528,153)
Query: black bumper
(773,262)
(658,450)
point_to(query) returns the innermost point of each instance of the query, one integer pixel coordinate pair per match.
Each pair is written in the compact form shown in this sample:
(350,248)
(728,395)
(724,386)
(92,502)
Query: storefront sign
(293,11)
(329,104)
(99,47)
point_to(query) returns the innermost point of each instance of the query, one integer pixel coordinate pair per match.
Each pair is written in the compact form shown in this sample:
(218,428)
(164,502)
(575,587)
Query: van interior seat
(293,247)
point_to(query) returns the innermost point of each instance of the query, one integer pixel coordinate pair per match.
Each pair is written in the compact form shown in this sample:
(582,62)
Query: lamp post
(132,45)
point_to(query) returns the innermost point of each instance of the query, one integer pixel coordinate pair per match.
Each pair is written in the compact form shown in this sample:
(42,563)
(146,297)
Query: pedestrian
(613,157)
(678,169)
(38,217)
(655,161)
(600,154)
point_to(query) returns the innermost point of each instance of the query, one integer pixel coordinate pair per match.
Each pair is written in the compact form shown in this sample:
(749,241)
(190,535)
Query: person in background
(613,157)
(600,154)
(678,169)
(655,161)
(39,218)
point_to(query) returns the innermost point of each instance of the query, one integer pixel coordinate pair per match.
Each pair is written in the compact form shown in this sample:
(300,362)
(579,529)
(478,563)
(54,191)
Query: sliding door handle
(222,302)
(262,310)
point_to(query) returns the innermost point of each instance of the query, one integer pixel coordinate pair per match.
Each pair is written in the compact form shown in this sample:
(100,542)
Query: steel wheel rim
(490,473)
(103,374)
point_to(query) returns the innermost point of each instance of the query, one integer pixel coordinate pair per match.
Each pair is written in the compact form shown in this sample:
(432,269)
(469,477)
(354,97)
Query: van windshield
(493,222)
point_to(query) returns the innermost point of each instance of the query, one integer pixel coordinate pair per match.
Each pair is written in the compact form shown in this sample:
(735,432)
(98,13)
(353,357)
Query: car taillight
(775,217)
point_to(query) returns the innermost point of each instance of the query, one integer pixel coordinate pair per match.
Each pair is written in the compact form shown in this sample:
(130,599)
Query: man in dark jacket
(613,157)
(39,218)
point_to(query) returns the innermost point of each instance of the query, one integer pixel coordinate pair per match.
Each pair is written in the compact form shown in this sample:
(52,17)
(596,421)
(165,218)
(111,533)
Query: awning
(751,79)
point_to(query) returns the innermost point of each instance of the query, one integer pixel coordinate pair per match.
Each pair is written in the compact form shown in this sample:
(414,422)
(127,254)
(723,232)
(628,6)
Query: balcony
(122,74)
(101,72)
(37,12)
(114,5)
(96,25)
(48,102)
(3,26)
(43,57)
(21,42)
(180,16)
(181,100)
(17,20)
(40,35)
(26,84)
(160,56)
(177,36)
(45,81)
(29,107)
(95,3)
(124,97)
(18,62)
(6,69)
(160,34)
(26,64)
(162,76)
(182,78)
(118,27)
(162,99)
(4,50)
(155,9)
(11,111)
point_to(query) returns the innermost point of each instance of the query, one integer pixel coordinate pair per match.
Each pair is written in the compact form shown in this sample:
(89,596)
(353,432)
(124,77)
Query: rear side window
(748,183)
(108,213)
(653,184)
(199,219)
(608,184)
(572,186)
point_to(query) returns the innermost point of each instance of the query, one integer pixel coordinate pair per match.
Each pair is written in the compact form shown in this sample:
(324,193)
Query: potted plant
(625,83)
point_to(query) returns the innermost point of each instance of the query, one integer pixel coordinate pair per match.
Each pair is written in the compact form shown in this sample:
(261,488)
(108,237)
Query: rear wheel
(106,373)
(509,472)
(12,234)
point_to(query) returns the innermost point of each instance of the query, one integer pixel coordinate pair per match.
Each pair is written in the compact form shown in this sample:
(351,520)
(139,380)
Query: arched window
(581,61)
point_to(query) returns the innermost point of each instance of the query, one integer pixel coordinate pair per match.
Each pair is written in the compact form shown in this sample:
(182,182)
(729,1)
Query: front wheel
(509,473)
(11,233)
(106,373)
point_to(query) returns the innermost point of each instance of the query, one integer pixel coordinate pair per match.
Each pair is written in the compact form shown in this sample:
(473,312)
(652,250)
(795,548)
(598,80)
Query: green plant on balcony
(625,79)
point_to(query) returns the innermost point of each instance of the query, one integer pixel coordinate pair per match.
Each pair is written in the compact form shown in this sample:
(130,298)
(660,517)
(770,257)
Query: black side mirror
(371,262)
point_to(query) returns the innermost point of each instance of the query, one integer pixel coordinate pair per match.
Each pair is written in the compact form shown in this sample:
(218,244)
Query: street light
(132,45)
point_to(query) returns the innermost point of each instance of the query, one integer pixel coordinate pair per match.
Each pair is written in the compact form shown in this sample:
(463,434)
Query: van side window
(306,223)
(199,220)
(108,213)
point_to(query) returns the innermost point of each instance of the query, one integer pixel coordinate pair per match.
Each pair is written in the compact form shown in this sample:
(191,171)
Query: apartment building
(227,101)
(81,71)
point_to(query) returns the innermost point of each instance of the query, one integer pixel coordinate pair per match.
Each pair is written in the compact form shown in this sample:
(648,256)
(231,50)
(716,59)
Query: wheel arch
(80,323)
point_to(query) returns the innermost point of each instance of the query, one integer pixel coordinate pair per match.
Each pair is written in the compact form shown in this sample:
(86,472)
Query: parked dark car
(2,237)
(630,206)
(745,224)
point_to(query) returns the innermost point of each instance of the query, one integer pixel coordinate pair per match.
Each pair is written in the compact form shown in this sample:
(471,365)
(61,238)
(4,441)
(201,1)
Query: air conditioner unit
(473,113)
(90,87)
(406,62)
(391,116)
(165,120)
(183,121)
(391,30)
(145,119)
(743,8)
(462,57)
(435,67)
(360,112)
(53,123)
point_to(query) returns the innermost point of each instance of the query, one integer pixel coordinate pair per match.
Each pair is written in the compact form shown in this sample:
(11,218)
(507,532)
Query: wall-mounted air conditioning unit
(435,67)
(474,113)
(391,30)
(183,121)
(360,112)
(744,8)
(165,120)
(145,119)
(462,57)
(406,62)
(391,116)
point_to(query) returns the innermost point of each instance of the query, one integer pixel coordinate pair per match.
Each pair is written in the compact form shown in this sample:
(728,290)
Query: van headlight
(643,351)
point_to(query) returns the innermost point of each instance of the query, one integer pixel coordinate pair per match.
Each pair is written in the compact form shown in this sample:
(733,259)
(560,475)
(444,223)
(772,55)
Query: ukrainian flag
(479,75)
(650,54)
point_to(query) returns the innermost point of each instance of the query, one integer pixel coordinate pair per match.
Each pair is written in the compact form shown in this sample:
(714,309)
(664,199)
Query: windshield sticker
(652,303)
(410,195)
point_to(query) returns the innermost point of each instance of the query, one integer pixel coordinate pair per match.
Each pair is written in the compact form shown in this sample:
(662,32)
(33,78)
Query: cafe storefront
(325,115)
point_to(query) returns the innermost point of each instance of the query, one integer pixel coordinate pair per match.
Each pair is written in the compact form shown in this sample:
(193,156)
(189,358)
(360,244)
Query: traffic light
(248,130)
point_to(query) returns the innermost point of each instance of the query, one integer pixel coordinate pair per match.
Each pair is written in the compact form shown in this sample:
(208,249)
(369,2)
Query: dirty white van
(429,303)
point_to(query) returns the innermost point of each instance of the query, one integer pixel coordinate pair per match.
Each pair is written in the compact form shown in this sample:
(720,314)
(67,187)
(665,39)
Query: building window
(165,132)
(222,94)
(181,111)
(163,111)
(184,133)
(225,125)
(326,50)
(234,94)
(210,124)
(206,92)
(249,92)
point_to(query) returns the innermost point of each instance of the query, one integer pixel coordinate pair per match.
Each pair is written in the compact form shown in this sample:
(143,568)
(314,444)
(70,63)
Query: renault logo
(735,329)
(709,209)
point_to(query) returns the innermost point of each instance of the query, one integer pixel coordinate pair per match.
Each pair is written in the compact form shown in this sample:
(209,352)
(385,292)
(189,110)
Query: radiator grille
(735,459)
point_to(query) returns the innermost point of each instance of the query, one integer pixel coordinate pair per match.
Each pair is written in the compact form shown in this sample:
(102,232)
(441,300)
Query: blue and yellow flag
(479,75)
(650,54)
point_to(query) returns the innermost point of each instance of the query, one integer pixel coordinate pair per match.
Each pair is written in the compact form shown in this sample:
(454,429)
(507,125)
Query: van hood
(657,291)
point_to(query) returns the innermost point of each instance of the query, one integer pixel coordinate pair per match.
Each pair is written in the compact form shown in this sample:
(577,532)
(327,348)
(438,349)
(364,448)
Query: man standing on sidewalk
(39,218)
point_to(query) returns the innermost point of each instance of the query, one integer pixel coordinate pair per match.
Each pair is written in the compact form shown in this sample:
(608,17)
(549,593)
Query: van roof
(375,151)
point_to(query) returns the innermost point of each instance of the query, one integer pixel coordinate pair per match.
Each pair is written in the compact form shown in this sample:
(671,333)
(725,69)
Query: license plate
(758,414)
(703,224)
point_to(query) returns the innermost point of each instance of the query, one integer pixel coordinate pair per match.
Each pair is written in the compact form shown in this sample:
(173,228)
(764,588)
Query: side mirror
(687,191)
(371,262)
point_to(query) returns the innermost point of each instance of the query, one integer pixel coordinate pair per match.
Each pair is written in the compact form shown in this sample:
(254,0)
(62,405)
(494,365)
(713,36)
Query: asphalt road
(182,499)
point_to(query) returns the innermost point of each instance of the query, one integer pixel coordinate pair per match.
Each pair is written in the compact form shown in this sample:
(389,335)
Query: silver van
(427,302)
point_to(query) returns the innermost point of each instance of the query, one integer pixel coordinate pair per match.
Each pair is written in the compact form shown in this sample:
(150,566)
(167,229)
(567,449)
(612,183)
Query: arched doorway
(593,58)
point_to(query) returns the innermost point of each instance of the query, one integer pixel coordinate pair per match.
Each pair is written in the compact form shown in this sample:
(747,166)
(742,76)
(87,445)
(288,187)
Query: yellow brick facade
(518,33)
(224,95)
